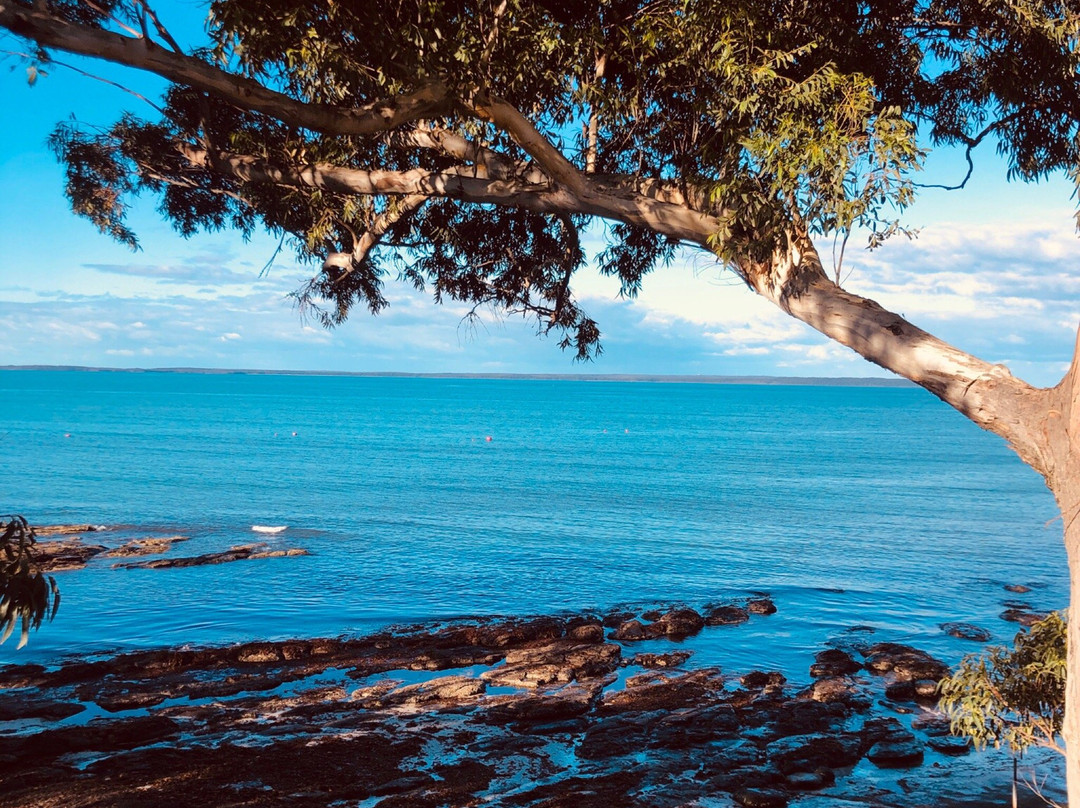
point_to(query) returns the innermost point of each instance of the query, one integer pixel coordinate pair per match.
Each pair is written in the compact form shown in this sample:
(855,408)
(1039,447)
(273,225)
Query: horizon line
(679,378)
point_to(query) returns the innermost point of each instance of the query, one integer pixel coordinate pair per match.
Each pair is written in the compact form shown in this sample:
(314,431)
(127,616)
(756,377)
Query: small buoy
(627,431)
(605,431)
(67,434)
(488,439)
(294,434)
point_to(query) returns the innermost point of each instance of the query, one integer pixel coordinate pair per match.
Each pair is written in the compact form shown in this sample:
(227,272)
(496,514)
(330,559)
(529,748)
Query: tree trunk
(1070,732)
(1062,430)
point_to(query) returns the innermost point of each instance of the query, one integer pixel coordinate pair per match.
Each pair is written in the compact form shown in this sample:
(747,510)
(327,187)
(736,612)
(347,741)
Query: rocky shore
(583,710)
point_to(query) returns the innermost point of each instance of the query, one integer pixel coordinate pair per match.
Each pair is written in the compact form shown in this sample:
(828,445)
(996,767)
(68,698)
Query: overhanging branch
(379,116)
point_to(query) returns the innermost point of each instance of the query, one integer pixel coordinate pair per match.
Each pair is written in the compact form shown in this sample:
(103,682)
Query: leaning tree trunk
(1041,425)
(1062,431)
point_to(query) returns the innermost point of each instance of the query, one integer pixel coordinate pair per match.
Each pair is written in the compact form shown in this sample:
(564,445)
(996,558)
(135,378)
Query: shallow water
(875,506)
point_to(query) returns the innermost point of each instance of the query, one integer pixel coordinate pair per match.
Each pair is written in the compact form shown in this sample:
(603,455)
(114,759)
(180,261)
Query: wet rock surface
(242,552)
(65,554)
(147,546)
(545,711)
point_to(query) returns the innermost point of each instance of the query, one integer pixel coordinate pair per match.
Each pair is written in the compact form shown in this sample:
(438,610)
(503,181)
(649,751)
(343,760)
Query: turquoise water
(876,506)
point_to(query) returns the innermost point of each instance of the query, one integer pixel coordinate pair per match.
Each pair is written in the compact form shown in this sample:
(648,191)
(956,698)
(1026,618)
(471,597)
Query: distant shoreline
(809,381)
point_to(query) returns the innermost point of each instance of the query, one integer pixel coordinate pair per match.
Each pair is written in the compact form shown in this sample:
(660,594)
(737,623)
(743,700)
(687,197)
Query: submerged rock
(762,605)
(1024,618)
(966,631)
(243,552)
(726,616)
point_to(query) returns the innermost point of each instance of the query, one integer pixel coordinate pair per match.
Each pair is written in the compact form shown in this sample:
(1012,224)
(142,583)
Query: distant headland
(816,381)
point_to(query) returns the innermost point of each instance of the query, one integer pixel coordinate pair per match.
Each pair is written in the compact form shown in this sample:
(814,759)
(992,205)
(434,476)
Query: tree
(465,144)
(1012,696)
(27,595)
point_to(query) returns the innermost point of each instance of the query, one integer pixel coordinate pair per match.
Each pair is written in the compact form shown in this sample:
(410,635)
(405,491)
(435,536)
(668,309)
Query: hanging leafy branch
(27,595)
(1014,697)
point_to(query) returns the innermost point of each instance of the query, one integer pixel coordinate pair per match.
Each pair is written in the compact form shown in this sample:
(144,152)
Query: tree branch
(379,116)
(347,262)
(510,120)
(671,220)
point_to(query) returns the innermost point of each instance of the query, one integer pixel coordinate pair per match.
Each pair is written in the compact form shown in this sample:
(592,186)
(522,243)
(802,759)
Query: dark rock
(758,680)
(900,691)
(899,754)
(836,690)
(446,689)
(802,717)
(726,616)
(402,784)
(441,659)
(1017,588)
(148,546)
(614,737)
(681,623)
(833,662)
(652,615)
(128,701)
(616,619)
(761,606)
(16,708)
(507,633)
(949,744)
(966,631)
(546,706)
(257,653)
(904,662)
(667,692)
(64,555)
(760,798)
(810,781)
(797,753)
(694,727)
(1023,618)
(672,659)
(587,632)
(243,552)
(560,661)
(631,631)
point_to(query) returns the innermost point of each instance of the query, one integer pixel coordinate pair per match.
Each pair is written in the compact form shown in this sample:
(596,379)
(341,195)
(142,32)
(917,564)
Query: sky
(994,270)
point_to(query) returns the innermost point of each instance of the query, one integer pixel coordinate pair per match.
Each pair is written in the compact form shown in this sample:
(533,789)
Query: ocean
(421,499)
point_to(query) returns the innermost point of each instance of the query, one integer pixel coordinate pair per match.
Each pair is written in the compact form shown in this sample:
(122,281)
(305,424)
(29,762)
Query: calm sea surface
(871,506)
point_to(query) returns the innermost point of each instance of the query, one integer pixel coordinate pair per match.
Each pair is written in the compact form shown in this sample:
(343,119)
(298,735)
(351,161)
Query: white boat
(269,528)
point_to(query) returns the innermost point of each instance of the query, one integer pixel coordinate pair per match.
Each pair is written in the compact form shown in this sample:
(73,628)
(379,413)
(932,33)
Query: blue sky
(994,271)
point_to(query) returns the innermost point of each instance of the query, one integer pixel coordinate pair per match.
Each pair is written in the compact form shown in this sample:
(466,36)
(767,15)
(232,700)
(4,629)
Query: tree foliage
(1013,696)
(27,595)
(773,119)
